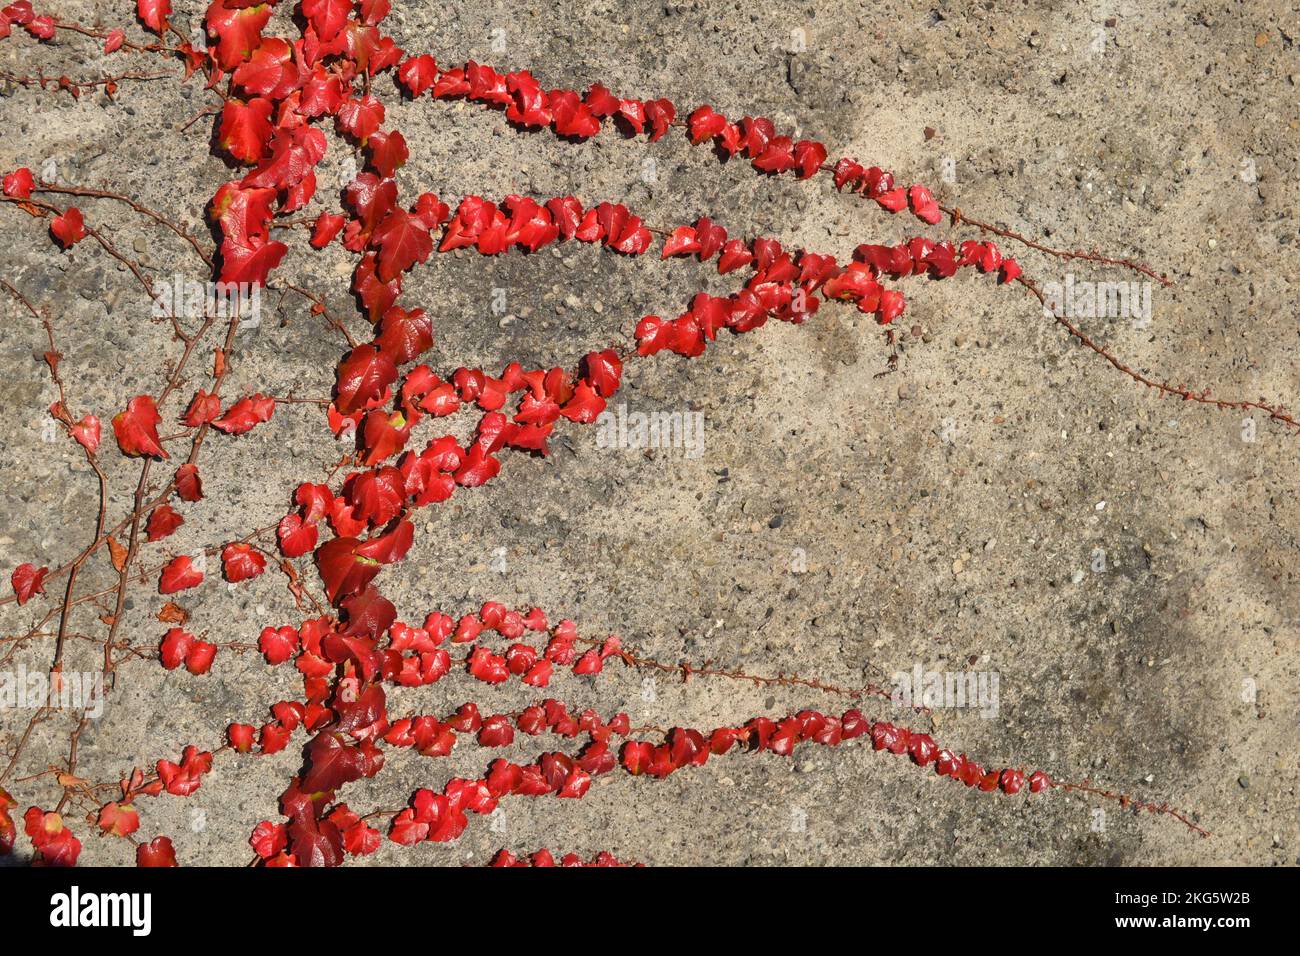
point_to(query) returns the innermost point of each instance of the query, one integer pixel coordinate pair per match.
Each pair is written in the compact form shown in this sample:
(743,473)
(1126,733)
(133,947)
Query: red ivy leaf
(69,228)
(19,183)
(28,580)
(404,335)
(388,152)
(162,522)
(246,129)
(343,570)
(137,428)
(245,413)
(361,118)
(179,575)
(238,31)
(278,644)
(603,369)
(403,240)
(154,13)
(327,16)
(417,74)
(203,408)
(327,226)
(241,562)
(158,852)
(119,819)
(188,484)
(86,432)
(333,763)
(363,375)
(297,537)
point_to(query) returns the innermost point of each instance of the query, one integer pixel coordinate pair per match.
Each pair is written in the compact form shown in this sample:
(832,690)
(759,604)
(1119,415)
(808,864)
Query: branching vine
(275,93)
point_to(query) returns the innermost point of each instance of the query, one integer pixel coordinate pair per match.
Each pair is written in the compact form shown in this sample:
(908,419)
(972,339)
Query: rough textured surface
(949,512)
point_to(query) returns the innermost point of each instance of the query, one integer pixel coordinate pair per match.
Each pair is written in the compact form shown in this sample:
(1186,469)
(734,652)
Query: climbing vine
(275,97)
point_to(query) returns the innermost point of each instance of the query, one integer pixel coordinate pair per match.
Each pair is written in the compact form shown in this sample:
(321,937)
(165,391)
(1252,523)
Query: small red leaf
(69,228)
(179,575)
(28,580)
(241,562)
(245,413)
(162,522)
(137,428)
(159,852)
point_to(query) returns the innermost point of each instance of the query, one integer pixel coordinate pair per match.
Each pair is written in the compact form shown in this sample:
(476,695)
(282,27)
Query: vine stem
(1275,412)
(958,217)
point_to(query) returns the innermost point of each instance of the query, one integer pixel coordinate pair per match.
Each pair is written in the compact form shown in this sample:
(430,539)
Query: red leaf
(118,819)
(893,199)
(361,118)
(586,404)
(54,841)
(241,562)
(19,183)
(418,73)
(158,852)
(200,656)
(391,547)
(378,297)
(388,152)
(176,645)
(246,129)
(603,369)
(272,71)
(251,261)
(661,114)
(405,335)
(245,413)
(28,580)
(403,241)
(636,756)
(383,435)
(278,644)
(360,839)
(363,375)
(704,124)
(241,737)
(923,204)
(238,31)
(188,484)
(162,522)
(86,432)
(809,155)
(735,254)
(203,409)
(342,569)
(326,228)
(183,779)
(137,428)
(681,242)
(297,537)
(332,764)
(268,839)
(179,575)
(327,16)
(69,228)
(154,13)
